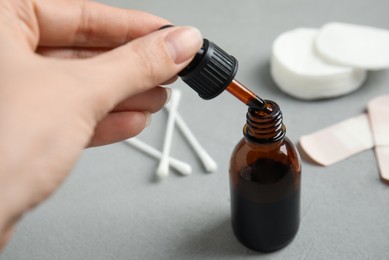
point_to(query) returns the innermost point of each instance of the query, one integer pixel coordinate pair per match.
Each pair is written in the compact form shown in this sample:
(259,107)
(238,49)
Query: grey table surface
(111,207)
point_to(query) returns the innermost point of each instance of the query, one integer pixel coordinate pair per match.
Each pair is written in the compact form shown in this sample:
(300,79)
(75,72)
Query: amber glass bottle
(265,173)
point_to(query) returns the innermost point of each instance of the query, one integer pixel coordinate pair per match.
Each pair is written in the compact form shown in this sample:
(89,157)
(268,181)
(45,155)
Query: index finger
(91,24)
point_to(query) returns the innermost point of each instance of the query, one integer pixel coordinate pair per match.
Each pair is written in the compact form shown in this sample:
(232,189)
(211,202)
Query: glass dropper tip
(257,103)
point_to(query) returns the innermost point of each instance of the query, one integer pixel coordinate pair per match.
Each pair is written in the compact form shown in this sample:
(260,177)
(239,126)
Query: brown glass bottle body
(265,174)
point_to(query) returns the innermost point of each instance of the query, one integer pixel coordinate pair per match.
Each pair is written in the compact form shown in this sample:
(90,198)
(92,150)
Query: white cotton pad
(299,72)
(354,45)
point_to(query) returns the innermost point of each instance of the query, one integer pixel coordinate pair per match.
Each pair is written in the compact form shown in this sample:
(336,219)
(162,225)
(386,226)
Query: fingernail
(148,118)
(169,94)
(183,43)
(166,26)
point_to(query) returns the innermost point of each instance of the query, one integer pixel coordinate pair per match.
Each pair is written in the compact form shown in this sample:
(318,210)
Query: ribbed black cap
(211,71)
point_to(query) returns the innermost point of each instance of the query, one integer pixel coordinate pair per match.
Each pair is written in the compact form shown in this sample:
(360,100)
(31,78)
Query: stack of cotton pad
(331,61)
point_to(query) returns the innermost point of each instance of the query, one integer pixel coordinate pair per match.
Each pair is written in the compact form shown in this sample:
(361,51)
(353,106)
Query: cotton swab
(181,167)
(209,164)
(163,167)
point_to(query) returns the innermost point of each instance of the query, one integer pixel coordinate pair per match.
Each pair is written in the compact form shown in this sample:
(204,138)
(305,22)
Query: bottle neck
(265,126)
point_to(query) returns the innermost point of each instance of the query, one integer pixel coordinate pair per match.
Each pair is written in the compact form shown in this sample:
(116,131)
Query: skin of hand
(75,74)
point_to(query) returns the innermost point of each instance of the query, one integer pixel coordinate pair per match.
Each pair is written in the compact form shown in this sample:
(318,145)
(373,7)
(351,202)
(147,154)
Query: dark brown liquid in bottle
(265,183)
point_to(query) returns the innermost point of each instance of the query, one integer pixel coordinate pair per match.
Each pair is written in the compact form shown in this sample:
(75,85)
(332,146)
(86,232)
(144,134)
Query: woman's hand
(75,74)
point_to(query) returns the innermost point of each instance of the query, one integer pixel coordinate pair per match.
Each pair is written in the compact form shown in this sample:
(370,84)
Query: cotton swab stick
(209,164)
(163,167)
(179,166)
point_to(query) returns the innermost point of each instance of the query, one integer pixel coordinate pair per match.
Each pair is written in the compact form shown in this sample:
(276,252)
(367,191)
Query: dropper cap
(211,71)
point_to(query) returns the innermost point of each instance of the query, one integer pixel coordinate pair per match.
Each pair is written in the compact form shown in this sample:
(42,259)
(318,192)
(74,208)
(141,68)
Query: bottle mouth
(266,125)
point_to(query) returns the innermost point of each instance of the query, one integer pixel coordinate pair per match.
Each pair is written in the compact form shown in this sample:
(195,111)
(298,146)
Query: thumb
(144,62)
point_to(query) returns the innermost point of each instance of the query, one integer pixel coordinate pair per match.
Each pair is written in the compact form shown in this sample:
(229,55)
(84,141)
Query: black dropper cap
(211,71)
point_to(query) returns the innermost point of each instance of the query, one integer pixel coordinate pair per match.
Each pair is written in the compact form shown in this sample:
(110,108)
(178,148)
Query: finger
(80,53)
(170,81)
(119,126)
(87,23)
(141,64)
(71,53)
(6,236)
(152,101)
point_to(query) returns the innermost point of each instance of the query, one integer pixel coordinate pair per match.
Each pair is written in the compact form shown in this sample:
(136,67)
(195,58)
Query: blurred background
(112,208)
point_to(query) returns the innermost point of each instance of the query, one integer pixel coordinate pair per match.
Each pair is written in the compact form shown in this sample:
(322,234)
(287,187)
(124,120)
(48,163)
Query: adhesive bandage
(339,141)
(378,109)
